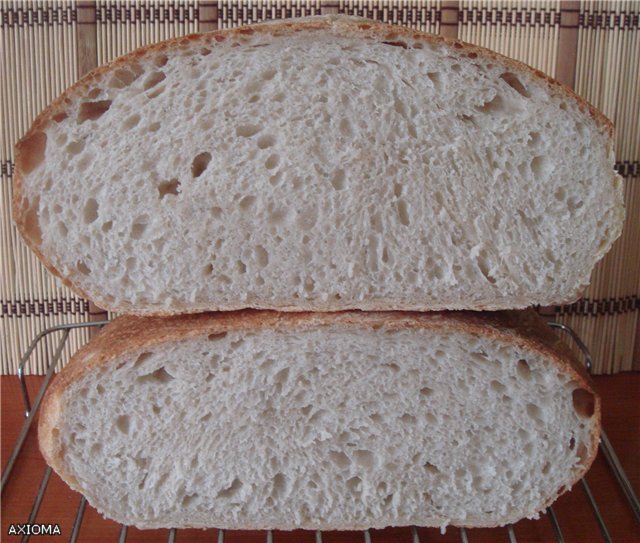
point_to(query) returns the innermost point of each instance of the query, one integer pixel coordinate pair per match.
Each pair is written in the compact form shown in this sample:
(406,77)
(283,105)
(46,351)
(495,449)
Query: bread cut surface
(322,164)
(321,421)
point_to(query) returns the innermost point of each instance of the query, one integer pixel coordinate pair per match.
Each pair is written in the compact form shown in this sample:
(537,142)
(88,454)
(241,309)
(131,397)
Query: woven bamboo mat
(592,46)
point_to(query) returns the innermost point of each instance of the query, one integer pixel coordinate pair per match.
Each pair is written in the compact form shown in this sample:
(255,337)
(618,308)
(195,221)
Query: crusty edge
(129,335)
(361,27)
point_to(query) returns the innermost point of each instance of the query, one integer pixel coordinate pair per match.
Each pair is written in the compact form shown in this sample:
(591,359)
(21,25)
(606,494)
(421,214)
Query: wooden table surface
(621,422)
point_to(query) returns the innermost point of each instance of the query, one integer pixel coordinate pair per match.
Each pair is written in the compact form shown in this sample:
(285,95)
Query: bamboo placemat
(592,46)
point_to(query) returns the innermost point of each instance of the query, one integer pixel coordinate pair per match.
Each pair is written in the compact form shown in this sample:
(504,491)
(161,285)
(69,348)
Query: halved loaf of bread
(321,421)
(322,164)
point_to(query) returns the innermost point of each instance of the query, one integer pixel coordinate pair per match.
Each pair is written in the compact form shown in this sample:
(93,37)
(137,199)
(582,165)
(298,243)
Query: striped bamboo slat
(421,15)
(526,31)
(233,13)
(608,75)
(125,26)
(38,63)
(594,46)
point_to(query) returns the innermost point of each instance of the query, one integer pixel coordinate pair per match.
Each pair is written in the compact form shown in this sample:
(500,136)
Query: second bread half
(322,421)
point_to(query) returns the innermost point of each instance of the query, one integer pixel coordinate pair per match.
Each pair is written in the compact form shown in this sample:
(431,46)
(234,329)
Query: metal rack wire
(464,535)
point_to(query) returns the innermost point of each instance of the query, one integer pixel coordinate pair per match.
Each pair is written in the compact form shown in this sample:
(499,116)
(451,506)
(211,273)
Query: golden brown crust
(130,335)
(354,26)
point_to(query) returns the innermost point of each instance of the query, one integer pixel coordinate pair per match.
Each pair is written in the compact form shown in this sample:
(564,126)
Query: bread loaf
(321,421)
(323,164)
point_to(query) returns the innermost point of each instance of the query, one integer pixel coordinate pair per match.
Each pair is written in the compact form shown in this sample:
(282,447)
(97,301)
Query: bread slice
(321,421)
(323,164)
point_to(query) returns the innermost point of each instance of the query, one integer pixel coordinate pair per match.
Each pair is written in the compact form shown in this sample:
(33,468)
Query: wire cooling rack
(465,535)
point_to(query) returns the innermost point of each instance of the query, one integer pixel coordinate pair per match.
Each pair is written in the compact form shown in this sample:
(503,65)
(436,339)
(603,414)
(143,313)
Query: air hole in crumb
(365,458)
(431,468)
(132,121)
(200,163)
(495,105)
(573,203)
(153,127)
(262,256)
(534,139)
(83,268)
(485,268)
(141,358)
(90,211)
(217,336)
(247,203)
(153,79)
(572,443)
(159,376)
(426,391)
(272,162)
(122,78)
(534,411)
(137,230)
(497,386)
(231,490)
(339,459)
(269,74)
(435,78)
(188,499)
(208,269)
(74,147)
(403,212)
(247,130)
(354,484)
(539,166)
(523,369)
(168,188)
(345,127)
(282,376)
(584,403)
(266,140)
(401,44)
(337,181)
(582,452)
(515,83)
(122,424)
(106,226)
(161,60)
(32,150)
(408,419)
(90,111)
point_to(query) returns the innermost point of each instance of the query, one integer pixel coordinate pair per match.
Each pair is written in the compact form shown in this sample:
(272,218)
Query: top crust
(29,150)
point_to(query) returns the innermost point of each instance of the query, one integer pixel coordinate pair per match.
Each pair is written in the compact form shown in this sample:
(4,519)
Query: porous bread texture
(325,164)
(339,421)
